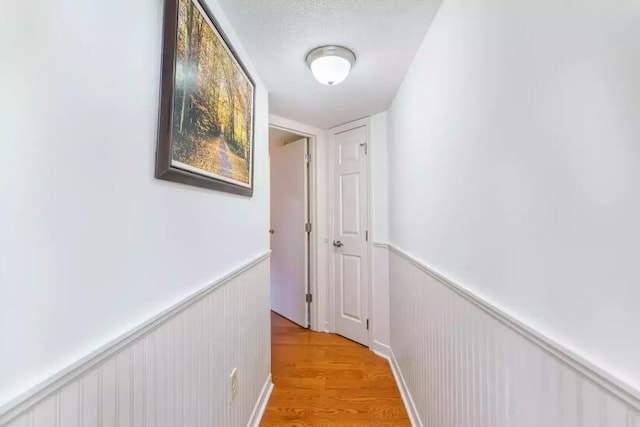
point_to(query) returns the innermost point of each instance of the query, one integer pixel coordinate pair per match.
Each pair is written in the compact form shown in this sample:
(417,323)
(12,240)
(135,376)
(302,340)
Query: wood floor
(326,380)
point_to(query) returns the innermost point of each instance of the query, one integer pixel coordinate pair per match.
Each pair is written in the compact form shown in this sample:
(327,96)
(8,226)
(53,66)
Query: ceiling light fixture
(330,65)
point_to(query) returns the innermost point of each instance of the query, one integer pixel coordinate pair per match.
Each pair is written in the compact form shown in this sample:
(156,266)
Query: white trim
(370,231)
(386,352)
(600,377)
(365,121)
(40,392)
(343,127)
(381,349)
(409,404)
(327,327)
(261,403)
(331,280)
(380,245)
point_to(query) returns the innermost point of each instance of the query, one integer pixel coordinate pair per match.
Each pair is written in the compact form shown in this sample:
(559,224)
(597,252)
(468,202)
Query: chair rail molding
(462,361)
(145,373)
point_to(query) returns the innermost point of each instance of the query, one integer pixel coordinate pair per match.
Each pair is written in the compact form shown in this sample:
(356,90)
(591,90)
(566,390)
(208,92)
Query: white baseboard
(381,349)
(261,403)
(409,404)
(327,329)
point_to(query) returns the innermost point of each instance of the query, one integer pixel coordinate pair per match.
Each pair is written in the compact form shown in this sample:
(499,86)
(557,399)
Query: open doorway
(290,224)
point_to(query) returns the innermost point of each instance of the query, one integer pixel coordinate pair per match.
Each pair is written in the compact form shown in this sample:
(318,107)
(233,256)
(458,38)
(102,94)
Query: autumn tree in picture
(212,104)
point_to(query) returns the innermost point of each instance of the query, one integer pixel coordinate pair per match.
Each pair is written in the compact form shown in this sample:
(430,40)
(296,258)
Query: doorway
(290,225)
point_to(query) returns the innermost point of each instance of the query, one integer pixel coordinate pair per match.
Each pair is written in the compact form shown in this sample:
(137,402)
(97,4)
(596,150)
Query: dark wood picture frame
(165,170)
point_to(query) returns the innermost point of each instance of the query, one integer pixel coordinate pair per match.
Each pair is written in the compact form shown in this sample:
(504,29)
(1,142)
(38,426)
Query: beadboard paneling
(173,370)
(462,363)
(380,300)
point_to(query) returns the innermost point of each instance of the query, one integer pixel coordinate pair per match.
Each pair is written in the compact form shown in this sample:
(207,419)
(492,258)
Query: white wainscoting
(380,300)
(461,363)
(171,371)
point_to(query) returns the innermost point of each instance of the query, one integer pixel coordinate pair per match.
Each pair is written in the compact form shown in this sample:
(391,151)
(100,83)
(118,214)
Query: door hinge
(367,324)
(307,227)
(307,158)
(366,147)
(309,298)
(366,235)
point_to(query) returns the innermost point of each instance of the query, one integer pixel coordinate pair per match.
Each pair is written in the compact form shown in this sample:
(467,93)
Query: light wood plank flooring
(326,380)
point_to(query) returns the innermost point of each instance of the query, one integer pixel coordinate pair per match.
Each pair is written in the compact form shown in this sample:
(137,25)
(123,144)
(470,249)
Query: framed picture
(207,104)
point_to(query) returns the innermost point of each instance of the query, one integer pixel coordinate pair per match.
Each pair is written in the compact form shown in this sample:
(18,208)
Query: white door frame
(365,122)
(283,124)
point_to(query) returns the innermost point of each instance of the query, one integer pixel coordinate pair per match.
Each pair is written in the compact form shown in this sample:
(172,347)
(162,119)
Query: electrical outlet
(233,384)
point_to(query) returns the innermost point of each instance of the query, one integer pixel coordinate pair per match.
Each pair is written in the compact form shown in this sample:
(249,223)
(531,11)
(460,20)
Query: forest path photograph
(212,104)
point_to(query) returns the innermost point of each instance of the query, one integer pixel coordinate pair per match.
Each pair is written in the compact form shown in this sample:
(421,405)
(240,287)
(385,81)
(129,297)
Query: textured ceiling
(277,34)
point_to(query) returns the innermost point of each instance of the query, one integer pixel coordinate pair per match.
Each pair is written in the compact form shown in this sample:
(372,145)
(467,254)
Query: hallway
(454,184)
(326,380)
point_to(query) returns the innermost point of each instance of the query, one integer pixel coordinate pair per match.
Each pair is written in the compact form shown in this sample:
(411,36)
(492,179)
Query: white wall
(379,178)
(379,233)
(514,166)
(92,244)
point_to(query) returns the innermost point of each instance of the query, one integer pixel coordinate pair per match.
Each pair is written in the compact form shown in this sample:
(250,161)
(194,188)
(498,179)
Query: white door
(350,239)
(288,236)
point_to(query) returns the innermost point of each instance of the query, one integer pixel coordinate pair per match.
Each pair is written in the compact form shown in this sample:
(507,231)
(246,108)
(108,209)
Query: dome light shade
(330,65)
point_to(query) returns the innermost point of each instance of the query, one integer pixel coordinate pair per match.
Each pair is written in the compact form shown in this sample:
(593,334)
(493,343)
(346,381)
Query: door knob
(338,243)
(272,231)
